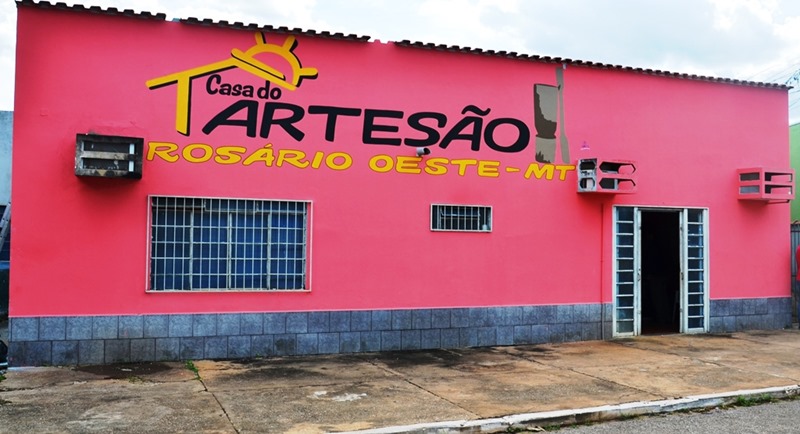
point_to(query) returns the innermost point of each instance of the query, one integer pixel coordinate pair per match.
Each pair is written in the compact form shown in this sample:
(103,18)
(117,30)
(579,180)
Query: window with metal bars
(461,218)
(227,244)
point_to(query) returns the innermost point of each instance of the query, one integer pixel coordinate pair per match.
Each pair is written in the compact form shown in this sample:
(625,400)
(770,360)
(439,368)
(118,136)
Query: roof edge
(269,28)
(577,62)
(404,43)
(92,9)
(44,4)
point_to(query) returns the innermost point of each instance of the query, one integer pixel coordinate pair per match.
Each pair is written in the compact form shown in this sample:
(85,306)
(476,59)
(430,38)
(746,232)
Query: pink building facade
(195,189)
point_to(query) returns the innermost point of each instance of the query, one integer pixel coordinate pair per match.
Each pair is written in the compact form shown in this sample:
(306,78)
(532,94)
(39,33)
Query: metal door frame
(684,258)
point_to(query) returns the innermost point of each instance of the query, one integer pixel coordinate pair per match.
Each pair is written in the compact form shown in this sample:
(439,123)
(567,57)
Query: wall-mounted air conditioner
(758,183)
(596,175)
(108,156)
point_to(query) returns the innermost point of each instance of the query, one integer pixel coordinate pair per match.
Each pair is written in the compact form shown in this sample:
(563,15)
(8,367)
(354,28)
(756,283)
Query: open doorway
(661,268)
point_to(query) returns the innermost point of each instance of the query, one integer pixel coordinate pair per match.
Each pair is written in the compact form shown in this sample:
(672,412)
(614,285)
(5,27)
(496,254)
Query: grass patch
(519,429)
(2,377)
(749,401)
(190,366)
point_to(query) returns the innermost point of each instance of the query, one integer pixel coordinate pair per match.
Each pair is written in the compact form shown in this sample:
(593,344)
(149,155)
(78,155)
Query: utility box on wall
(606,176)
(767,185)
(108,156)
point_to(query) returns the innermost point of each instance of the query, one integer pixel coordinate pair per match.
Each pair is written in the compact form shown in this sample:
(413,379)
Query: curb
(584,415)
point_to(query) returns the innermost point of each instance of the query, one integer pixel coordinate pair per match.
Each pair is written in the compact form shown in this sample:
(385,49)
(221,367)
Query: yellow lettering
(182,104)
(229,154)
(538,172)
(488,169)
(386,166)
(346,161)
(208,152)
(317,159)
(462,165)
(408,164)
(245,60)
(264,154)
(562,171)
(164,151)
(436,166)
(295,158)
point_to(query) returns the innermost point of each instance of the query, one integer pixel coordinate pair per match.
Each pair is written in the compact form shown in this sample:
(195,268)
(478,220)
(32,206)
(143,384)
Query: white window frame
(485,226)
(683,320)
(307,234)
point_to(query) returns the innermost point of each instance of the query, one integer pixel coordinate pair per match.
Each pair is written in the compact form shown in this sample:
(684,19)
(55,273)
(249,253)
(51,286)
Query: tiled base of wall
(91,340)
(117,339)
(733,315)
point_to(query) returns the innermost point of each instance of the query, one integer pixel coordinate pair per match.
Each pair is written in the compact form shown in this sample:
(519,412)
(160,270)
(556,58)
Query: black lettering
(332,114)
(431,134)
(263,92)
(213,79)
(457,133)
(523,135)
(247,91)
(287,123)
(224,117)
(370,127)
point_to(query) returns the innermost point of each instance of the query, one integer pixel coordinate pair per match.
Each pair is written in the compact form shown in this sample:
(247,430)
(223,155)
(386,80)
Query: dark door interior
(660,237)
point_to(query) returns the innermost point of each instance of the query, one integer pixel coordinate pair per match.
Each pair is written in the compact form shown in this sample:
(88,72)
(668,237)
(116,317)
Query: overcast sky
(755,40)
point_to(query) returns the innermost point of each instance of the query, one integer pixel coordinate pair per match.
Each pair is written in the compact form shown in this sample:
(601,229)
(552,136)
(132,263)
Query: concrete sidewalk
(469,390)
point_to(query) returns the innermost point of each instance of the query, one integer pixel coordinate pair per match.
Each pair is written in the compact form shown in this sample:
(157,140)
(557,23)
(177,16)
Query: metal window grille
(227,244)
(461,218)
(625,299)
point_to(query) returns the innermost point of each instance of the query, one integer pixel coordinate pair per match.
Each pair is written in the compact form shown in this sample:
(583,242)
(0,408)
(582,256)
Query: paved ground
(372,391)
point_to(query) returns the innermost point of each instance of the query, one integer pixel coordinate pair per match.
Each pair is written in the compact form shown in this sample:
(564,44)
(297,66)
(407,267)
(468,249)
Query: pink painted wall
(81,245)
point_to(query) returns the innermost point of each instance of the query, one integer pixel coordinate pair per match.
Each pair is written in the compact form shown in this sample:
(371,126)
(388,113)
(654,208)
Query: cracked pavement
(342,393)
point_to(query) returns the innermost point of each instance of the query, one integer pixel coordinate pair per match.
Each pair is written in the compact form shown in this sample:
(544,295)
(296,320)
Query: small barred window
(461,218)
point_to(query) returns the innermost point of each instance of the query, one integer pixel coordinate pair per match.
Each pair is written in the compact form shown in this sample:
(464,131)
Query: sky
(756,40)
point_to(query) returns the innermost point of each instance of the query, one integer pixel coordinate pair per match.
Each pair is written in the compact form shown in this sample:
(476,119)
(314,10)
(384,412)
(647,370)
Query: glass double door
(660,270)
